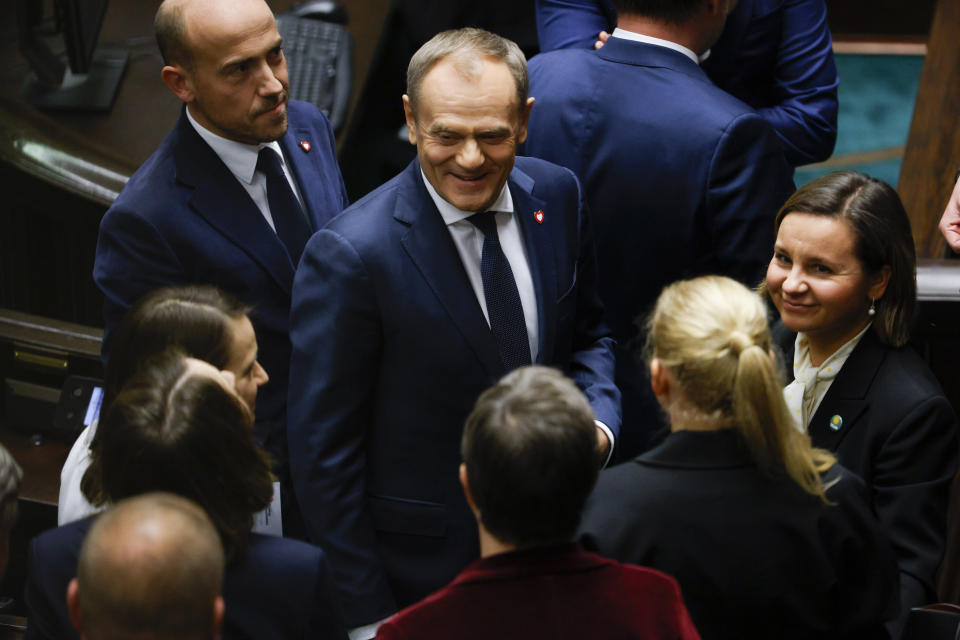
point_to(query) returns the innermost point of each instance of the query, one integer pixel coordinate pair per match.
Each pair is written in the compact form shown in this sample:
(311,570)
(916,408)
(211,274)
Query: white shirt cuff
(609,433)
(366,632)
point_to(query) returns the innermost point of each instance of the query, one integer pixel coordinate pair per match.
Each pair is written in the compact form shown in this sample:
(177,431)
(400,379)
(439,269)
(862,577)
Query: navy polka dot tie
(503,300)
(288,219)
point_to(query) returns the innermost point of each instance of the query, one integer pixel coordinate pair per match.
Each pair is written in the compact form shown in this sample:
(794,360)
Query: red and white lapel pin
(538,216)
(305,145)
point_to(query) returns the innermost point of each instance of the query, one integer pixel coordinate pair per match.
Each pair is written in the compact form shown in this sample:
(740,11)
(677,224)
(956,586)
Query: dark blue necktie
(288,219)
(503,300)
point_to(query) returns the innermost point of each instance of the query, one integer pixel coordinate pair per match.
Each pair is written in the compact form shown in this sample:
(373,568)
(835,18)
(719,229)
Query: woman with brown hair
(179,426)
(201,320)
(843,278)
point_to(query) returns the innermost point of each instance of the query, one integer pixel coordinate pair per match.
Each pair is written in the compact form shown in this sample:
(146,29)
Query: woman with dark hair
(843,277)
(178,425)
(204,322)
(766,534)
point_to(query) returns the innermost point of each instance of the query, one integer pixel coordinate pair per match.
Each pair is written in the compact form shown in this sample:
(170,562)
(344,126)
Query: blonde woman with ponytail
(768,536)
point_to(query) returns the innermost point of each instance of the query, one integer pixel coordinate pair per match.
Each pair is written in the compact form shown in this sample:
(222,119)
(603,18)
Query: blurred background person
(950,220)
(179,426)
(843,277)
(151,568)
(767,536)
(775,55)
(529,463)
(682,179)
(10,476)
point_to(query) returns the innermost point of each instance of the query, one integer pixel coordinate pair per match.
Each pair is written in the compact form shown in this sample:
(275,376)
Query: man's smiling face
(467,127)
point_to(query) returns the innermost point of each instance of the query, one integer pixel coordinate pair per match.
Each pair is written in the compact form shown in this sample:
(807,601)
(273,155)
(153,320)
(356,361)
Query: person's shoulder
(368,215)
(560,61)
(904,379)
(652,581)
(284,553)
(150,188)
(302,113)
(530,172)
(64,537)
(57,550)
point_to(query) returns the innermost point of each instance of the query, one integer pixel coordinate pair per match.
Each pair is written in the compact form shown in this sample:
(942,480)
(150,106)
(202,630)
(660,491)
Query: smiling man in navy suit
(234,191)
(466,265)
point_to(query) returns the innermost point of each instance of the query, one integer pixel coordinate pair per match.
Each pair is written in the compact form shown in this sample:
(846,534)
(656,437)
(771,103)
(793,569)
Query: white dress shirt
(810,384)
(639,37)
(469,242)
(241,160)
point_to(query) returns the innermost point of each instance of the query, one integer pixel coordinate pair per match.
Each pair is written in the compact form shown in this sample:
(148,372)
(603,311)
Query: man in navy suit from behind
(466,265)
(202,209)
(683,179)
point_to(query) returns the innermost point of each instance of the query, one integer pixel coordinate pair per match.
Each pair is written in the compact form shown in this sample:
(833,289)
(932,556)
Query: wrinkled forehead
(477,83)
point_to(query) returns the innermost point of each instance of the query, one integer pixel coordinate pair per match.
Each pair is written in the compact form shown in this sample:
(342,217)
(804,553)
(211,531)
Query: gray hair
(463,45)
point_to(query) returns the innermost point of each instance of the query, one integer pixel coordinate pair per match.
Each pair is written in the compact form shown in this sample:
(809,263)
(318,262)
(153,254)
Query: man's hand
(950,221)
(603,445)
(602,37)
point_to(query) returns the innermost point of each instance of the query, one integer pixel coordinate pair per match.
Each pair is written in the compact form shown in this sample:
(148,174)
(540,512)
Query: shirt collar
(452,215)
(830,367)
(240,158)
(639,37)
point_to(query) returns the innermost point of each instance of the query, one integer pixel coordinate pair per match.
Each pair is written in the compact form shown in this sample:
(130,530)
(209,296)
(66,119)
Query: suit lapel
(846,397)
(541,256)
(306,170)
(429,245)
(220,200)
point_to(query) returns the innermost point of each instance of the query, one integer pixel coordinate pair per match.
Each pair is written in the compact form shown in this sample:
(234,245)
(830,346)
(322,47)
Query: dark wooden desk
(144,110)
(41,465)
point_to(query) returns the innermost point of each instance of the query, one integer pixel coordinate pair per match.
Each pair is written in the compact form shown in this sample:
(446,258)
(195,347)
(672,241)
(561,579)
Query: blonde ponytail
(711,333)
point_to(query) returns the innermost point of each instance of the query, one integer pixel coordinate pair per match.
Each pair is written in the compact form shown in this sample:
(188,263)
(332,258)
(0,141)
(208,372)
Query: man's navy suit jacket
(184,218)
(682,179)
(278,589)
(557,592)
(391,350)
(775,55)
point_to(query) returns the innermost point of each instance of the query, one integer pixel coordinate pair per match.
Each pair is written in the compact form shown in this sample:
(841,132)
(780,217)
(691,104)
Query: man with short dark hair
(151,568)
(468,264)
(234,191)
(528,467)
(683,179)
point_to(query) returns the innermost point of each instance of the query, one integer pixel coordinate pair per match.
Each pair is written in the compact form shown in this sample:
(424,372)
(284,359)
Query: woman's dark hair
(882,229)
(177,430)
(194,318)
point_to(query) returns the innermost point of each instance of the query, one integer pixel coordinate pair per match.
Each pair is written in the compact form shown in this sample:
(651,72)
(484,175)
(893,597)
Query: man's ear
(465,483)
(524,119)
(218,611)
(179,82)
(411,120)
(73,605)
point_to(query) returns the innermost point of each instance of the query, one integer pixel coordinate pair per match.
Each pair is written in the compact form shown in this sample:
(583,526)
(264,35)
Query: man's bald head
(171,22)
(150,567)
